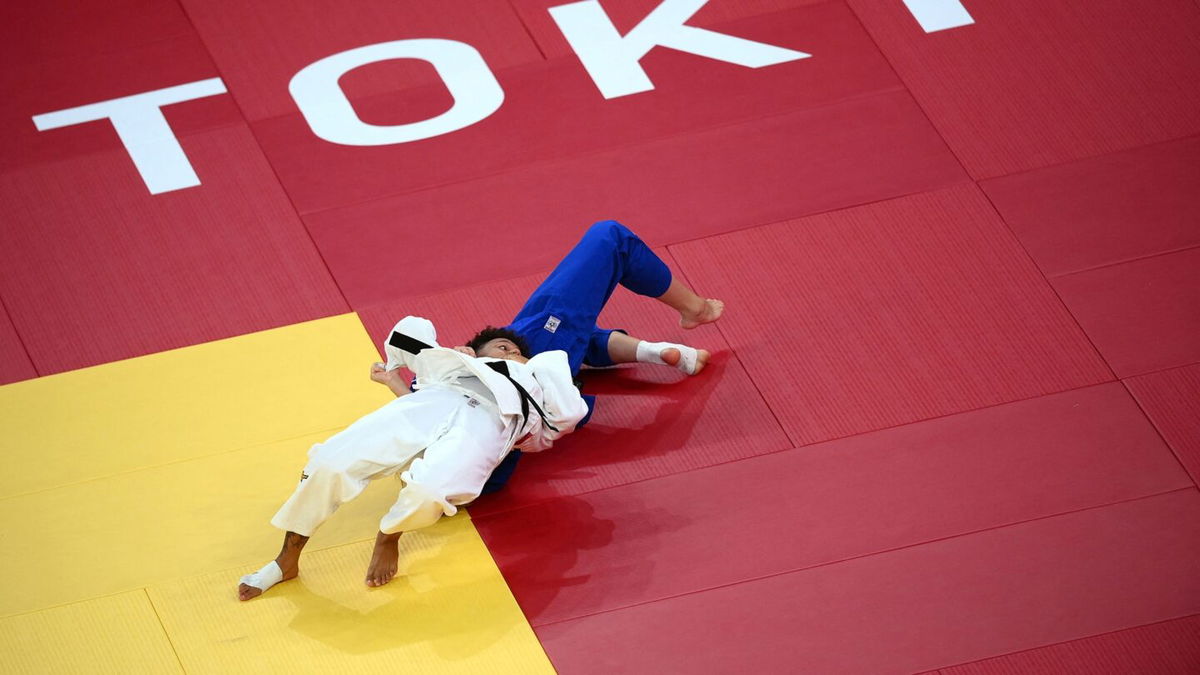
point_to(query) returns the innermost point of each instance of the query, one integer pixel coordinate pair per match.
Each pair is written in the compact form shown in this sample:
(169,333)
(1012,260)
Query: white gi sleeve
(397,348)
(561,401)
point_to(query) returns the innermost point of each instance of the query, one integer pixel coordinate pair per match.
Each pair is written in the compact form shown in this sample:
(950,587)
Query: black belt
(413,345)
(526,400)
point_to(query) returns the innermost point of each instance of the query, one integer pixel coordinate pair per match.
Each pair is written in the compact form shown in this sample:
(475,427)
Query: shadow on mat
(453,610)
(545,574)
(644,427)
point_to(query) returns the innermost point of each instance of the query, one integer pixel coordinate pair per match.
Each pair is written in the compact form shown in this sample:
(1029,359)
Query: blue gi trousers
(562,312)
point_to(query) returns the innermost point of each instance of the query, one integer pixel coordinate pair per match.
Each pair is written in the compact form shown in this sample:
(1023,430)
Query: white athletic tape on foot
(268,576)
(687,359)
(651,352)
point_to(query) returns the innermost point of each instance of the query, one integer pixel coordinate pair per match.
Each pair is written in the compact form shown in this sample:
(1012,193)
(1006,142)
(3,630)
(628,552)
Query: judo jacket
(544,382)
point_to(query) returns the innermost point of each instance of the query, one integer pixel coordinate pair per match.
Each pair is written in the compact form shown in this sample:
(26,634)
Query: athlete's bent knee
(417,506)
(608,230)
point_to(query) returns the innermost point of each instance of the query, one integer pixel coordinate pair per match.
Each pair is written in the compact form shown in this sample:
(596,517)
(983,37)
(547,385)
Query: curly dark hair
(492,333)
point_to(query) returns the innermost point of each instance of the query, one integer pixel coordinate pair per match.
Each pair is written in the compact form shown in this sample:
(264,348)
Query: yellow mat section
(447,612)
(185,403)
(119,634)
(138,492)
(142,527)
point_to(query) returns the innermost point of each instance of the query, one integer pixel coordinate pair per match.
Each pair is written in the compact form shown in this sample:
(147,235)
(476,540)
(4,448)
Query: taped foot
(689,361)
(254,585)
(711,311)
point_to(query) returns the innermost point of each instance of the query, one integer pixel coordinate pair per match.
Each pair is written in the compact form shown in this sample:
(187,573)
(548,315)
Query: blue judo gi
(562,312)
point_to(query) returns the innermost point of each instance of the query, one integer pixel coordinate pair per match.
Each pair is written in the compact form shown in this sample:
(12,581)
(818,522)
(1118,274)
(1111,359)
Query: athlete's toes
(380,578)
(248,592)
(670,356)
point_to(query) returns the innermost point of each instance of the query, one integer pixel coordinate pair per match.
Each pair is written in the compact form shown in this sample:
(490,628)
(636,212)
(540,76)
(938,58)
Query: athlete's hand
(380,375)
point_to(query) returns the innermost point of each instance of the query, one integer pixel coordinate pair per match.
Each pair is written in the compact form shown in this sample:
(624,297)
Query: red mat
(39,88)
(1034,83)
(1107,209)
(938,604)
(1142,315)
(625,14)
(670,190)
(60,29)
(14,361)
(86,251)
(890,313)
(1171,399)
(812,506)
(650,421)
(260,46)
(1167,648)
(553,111)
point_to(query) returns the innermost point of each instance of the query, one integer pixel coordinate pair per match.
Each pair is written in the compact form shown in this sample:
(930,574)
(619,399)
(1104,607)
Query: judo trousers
(442,443)
(562,312)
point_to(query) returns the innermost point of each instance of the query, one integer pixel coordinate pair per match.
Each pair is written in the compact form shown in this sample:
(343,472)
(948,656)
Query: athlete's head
(499,343)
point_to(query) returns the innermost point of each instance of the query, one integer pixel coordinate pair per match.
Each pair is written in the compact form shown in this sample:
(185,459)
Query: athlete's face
(501,348)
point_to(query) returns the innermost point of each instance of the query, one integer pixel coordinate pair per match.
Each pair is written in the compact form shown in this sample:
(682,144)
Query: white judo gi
(443,440)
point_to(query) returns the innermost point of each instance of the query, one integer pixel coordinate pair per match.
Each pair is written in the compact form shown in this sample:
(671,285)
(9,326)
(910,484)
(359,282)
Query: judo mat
(951,423)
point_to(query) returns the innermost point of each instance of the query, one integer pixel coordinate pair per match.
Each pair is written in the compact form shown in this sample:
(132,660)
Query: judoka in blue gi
(473,406)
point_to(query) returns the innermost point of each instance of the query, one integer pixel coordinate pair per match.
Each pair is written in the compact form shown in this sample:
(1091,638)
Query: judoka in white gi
(474,404)
(443,439)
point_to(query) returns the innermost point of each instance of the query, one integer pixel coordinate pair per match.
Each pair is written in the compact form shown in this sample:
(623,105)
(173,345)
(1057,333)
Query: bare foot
(711,311)
(671,357)
(384,559)
(248,592)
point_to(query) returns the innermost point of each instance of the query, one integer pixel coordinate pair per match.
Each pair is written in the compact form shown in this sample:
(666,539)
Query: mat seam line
(895,73)
(68,603)
(1157,430)
(733,353)
(1062,303)
(63,60)
(1087,158)
(1078,639)
(1118,263)
(558,159)
(528,31)
(899,86)
(134,589)
(310,548)
(20,341)
(185,460)
(764,577)
(191,346)
(946,187)
(1161,370)
(965,180)
(166,634)
(977,179)
(274,172)
(540,502)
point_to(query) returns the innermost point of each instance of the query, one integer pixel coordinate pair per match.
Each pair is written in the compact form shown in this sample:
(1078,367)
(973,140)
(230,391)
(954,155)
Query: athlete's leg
(562,312)
(449,473)
(285,566)
(378,444)
(693,309)
(623,348)
(608,254)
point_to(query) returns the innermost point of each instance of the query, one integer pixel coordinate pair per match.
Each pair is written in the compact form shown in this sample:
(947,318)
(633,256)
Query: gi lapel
(526,399)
